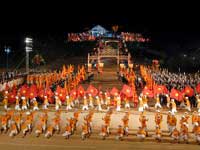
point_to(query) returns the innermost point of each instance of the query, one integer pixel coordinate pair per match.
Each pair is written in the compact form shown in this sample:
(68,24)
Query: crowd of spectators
(125,36)
(5,76)
(176,80)
(133,37)
(78,37)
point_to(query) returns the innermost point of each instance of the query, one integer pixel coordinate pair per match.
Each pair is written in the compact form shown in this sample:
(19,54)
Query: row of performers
(16,122)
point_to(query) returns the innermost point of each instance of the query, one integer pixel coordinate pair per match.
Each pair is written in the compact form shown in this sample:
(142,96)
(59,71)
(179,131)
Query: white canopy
(98,30)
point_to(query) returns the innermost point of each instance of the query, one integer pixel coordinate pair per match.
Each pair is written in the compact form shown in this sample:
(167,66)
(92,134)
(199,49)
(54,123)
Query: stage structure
(108,52)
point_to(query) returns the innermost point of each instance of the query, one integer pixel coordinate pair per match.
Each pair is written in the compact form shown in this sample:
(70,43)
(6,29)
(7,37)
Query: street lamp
(28,48)
(7,50)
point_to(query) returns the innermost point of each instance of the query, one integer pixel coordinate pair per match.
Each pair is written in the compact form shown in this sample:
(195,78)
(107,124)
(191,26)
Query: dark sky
(167,24)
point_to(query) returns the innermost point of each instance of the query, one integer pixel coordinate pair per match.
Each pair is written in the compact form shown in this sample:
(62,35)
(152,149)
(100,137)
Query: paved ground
(75,143)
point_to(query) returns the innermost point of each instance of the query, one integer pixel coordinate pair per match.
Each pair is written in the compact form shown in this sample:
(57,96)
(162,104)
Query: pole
(27,62)
(28,49)
(7,62)
(88,61)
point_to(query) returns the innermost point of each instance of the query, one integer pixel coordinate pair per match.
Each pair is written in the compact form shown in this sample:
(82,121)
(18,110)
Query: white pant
(17,107)
(171,128)
(184,137)
(127,105)
(199,110)
(38,131)
(102,134)
(68,107)
(197,137)
(126,129)
(9,123)
(48,134)
(141,136)
(157,105)
(99,107)
(145,106)
(84,133)
(91,105)
(108,129)
(28,103)
(85,107)
(118,108)
(45,107)
(182,104)
(102,102)
(76,101)
(25,130)
(57,107)
(13,133)
(119,136)
(44,127)
(168,104)
(19,126)
(67,133)
(35,108)
(4,127)
(24,107)
(157,136)
(107,102)
(174,110)
(175,137)
(29,126)
(141,109)
(72,104)
(5,107)
(57,127)
(188,108)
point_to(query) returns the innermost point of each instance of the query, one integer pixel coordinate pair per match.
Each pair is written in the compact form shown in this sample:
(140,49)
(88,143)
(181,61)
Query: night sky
(169,26)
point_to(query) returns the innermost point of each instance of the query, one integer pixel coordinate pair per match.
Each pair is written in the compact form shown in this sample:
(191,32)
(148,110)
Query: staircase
(107,79)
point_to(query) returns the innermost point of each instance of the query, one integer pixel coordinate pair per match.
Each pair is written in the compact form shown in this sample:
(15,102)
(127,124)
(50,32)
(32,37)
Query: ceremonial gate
(108,52)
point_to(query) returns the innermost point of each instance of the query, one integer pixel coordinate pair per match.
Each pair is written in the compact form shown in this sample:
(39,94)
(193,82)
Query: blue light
(7,50)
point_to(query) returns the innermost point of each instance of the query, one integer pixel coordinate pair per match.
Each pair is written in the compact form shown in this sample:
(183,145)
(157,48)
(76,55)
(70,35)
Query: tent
(98,31)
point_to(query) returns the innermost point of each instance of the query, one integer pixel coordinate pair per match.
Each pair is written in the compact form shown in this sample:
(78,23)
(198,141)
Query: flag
(165,90)
(92,90)
(32,91)
(157,89)
(114,91)
(64,71)
(146,91)
(7,87)
(24,90)
(198,88)
(107,93)
(73,93)
(11,96)
(189,91)
(58,89)
(81,91)
(49,94)
(126,90)
(65,85)
(62,94)
(176,94)
(135,98)
(41,93)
